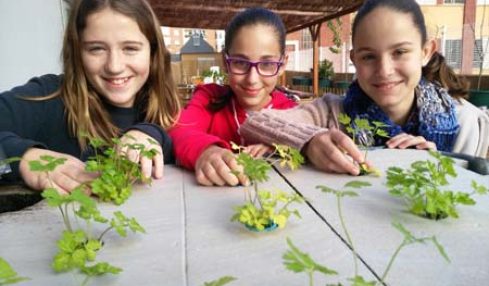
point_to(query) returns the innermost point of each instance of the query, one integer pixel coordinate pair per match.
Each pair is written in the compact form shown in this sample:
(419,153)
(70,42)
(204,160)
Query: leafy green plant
(363,135)
(421,187)
(78,246)
(298,261)
(326,70)
(117,172)
(221,281)
(264,209)
(8,275)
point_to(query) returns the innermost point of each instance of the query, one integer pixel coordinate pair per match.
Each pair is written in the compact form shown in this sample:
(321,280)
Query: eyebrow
(102,42)
(266,57)
(395,46)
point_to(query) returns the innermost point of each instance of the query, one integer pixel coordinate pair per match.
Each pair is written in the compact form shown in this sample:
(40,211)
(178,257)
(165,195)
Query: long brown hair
(84,108)
(437,69)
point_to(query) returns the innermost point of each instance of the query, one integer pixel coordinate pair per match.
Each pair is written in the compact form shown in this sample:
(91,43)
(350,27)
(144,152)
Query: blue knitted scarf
(433,118)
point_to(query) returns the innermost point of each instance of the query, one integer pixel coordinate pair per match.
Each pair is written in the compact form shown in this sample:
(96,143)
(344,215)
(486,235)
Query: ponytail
(437,70)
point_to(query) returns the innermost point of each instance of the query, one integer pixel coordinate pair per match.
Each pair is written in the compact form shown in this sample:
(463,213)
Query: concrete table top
(370,215)
(191,240)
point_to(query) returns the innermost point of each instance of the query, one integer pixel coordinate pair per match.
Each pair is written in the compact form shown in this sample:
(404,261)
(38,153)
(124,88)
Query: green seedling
(265,209)
(346,192)
(78,247)
(422,187)
(117,172)
(298,261)
(221,281)
(8,275)
(363,135)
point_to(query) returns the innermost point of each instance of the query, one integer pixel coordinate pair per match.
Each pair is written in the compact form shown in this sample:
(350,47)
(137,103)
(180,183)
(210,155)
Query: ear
(429,48)
(284,65)
(352,56)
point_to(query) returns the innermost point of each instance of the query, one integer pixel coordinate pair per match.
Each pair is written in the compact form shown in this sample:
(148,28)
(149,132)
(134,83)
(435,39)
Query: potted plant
(266,210)
(335,27)
(326,73)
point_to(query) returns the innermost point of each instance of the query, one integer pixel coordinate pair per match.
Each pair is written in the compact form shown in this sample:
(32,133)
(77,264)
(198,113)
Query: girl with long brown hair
(117,80)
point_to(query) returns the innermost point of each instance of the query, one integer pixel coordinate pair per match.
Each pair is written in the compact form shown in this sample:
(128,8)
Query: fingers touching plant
(78,246)
(117,172)
(265,209)
(421,187)
(363,134)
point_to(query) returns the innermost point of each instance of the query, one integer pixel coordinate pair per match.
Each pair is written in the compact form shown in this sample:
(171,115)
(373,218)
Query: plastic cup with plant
(263,209)
(363,134)
(422,187)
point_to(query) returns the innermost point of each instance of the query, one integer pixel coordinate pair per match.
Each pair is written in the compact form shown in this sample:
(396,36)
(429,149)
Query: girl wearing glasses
(117,80)
(254,54)
(401,81)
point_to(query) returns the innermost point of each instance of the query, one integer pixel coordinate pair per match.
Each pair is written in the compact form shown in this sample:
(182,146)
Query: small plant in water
(421,187)
(265,209)
(363,134)
(298,261)
(8,275)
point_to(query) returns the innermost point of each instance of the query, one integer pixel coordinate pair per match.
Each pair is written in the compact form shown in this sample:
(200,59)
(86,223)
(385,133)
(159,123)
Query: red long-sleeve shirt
(198,127)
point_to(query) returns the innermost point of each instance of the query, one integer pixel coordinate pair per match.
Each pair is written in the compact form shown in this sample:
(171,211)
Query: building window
(454,1)
(453,53)
(481,46)
(306,41)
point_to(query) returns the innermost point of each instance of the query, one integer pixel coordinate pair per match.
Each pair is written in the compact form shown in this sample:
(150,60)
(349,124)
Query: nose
(253,76)
(385,66)
(115,63)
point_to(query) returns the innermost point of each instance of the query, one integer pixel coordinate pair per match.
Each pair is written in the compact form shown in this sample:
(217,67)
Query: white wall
(31,37)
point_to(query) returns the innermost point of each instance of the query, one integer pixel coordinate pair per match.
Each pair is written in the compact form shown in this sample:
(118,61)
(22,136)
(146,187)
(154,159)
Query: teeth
(118,81)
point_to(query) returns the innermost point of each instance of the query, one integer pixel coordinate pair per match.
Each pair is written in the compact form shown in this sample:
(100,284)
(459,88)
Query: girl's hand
(328,152)
(215,166)
(404,140)
(149,167)
(64,178)
(258,150)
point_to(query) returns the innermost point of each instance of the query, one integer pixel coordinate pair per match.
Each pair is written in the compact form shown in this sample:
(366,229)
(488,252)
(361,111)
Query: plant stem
(391,261)
(311,282)
(85,281)
(348,238)
(104,232)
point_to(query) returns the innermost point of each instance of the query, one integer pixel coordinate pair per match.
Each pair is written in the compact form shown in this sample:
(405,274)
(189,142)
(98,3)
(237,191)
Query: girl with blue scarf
(401,81)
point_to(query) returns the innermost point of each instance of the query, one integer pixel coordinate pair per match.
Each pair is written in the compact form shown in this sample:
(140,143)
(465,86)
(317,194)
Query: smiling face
(388,54)
(115,55)
(256,42)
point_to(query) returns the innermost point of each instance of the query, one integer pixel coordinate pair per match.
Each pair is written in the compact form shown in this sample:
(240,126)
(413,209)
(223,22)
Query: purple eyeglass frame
(253,64)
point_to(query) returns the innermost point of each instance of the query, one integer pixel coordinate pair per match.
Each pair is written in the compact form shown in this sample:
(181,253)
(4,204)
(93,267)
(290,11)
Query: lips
(386,85)
(252,91)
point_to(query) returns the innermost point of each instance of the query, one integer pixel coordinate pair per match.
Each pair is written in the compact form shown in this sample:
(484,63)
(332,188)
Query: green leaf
(357,184)
(8,274)
(101,268)
(360,281)
(297,261)
(221,281)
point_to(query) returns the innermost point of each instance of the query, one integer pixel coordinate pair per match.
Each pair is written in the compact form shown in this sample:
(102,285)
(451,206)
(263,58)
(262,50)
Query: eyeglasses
(239,66)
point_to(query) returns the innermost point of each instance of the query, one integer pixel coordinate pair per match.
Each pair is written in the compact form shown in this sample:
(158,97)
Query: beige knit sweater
(295,127)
